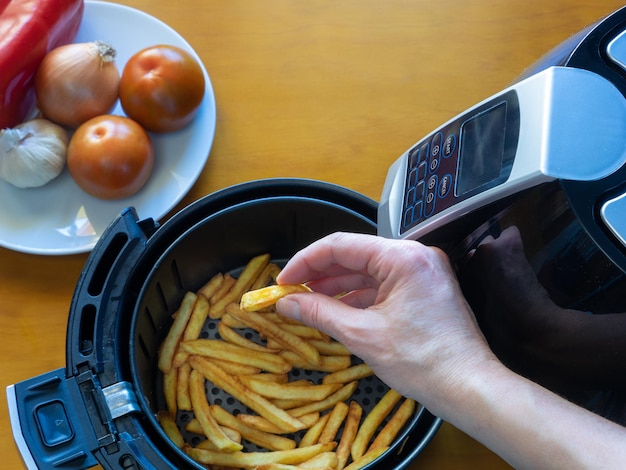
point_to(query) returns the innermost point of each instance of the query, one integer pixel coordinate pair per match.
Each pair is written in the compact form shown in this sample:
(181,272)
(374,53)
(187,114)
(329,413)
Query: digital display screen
(482,150)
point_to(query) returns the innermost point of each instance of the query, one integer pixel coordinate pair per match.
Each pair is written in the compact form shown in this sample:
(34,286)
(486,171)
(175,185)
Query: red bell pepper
(29,29)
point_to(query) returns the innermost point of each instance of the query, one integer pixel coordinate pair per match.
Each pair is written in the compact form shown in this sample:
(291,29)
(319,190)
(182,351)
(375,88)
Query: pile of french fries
(297,424)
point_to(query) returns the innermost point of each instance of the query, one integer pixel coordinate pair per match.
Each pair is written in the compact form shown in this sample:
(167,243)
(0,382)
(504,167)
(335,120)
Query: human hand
(403,312)
(529,332)
(513,310)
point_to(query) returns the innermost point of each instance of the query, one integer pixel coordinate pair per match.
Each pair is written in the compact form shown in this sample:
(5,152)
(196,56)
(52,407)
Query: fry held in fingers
(259,299)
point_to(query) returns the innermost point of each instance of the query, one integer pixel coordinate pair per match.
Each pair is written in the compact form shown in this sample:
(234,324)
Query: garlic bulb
(32,153)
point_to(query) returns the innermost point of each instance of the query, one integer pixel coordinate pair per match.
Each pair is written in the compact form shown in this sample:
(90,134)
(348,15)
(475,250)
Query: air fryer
(102,407)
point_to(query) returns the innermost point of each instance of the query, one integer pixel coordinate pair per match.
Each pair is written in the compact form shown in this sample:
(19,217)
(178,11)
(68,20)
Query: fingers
(361,298)
(327,314)
(338,285)
(334,255)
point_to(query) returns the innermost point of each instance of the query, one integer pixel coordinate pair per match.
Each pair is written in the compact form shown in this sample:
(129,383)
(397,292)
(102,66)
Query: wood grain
(333,90)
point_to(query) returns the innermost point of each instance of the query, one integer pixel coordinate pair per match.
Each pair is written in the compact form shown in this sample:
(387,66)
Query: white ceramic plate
(59,218)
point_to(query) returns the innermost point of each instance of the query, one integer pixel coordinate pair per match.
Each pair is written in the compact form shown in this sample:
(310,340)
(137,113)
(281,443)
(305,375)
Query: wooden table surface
(333,90)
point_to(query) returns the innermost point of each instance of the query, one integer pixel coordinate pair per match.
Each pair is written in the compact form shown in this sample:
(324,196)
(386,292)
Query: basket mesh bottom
(369,392)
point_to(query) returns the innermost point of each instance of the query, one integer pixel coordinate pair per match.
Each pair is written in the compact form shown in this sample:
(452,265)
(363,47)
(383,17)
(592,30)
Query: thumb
(319,311)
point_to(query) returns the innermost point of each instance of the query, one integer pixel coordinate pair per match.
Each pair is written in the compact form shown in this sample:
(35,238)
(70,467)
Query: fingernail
(289,308)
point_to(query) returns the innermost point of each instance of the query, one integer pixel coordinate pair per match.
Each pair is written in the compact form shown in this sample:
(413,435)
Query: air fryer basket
(101,407)
(224,241)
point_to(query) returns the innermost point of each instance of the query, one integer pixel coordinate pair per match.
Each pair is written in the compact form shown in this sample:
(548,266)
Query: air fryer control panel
(470,154)
(561,123)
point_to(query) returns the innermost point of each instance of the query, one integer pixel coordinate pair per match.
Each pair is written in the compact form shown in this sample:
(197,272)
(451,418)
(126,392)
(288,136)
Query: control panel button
(449,145)
(435,152)
(431,196)
(419,190)
(413,179)
(425,151)
(410,197)
(421,172)
(417,211)
(414,157)
(434,164)
(444,185)
(408,217)
(432,182)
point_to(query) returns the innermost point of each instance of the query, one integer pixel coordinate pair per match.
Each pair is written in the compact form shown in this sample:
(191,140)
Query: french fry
(389,432)
(194,326)
(231,336)
(272,330)
(202,412)
(171,428)
(262,424)
(350,429)
(170,343)
(273,316)
(194,427)
(305,332)
(199,315)
(183,399)
(244,281)
(233,323)
(284,466)
(326,364)
(227,283)
(278,378)
(211,286)
(366,459)
(313,433)
(267,276)
(233,435)
(330,348)
(322,460)
(170,387)
(235,368)
(217,349)
(260,438)
(287,404)
(342,394)
(335,420)
(254,459)
(371,422)
(289,391)
(258,299)
(360,371)
(232,385)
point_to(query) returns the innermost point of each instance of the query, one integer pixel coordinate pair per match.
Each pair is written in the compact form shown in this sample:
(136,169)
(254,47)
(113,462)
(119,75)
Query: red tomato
(110,157)
(161,88)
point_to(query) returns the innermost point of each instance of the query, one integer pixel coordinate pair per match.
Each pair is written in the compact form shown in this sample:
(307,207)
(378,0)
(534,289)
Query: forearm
(529,426)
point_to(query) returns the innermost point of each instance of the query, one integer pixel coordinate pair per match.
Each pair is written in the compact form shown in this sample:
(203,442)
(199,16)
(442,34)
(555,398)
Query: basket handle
(49,423)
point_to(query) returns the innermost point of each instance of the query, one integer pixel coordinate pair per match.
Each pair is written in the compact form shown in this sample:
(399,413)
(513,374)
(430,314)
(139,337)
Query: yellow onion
(77,82)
